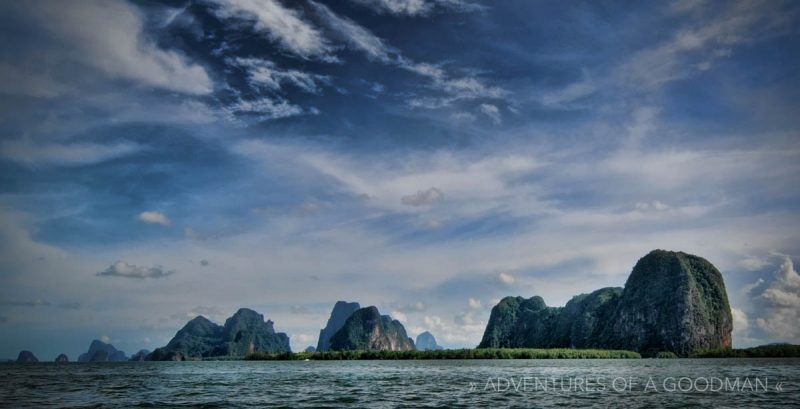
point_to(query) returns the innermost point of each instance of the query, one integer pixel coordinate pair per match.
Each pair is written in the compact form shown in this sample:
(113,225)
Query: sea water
(760,383)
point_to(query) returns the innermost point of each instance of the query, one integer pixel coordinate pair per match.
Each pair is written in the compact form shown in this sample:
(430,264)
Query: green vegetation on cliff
(672,302)
(243,333)
(488,353)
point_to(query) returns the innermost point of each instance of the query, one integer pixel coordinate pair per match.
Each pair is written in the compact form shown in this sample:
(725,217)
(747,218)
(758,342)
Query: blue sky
(160,160)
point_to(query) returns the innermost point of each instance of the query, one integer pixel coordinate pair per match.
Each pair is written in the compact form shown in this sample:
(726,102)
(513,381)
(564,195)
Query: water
(378,384)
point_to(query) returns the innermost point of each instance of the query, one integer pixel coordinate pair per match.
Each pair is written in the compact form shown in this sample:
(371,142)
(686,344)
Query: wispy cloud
(418,7)
(355,35)
(280,24)
(125,270)
(66,154)
(109,37)
(265,74)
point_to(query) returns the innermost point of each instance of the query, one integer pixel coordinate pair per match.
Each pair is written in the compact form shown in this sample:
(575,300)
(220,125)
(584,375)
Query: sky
(166,159)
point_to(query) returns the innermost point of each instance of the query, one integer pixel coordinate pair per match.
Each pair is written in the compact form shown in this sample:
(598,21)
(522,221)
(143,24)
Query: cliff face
(341,312)
(243,333)
(100,351)
(426,341)
(672,301)
(366,328)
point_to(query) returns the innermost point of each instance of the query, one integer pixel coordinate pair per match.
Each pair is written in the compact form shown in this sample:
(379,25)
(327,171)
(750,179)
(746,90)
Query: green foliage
(484,353)
(666,355)
(763,351)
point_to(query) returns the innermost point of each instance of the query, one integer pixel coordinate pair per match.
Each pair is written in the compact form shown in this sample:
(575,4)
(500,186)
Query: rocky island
(244,333)
(342,310)
(672,302)
(100,351)
(367,329)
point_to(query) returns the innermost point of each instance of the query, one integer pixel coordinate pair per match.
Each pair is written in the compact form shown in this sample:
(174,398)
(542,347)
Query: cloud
(265,108)
(741,323)
(38,302)
(264,74)
(123,269)
(299,310)
(655,205)
(107,36)
(203,262)
(492,112)
(280,24)
(475,303)
(417,7)
(754,263)
(694,47)
(418,306)
(780,301)
(506,278)
(398,315)
(356,36)
(154,217)
(429,197)
(45,154)
(105,338)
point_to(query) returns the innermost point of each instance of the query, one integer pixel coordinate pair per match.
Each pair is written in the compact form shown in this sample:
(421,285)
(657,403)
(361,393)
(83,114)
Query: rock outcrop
(62,358)
(672,301)
(100,351)
(140,356)
(367,329)
(342,310)
(243,333)
(26,357)
(310,348)
(426,341)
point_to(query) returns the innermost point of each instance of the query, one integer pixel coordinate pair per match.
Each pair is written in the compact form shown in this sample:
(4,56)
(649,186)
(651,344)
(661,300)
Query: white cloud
(123,269)
(475,303)
(358,37)
(264,108)
(492,112)
(264,74)
(154,217)
(655,205)
(280,24)
(399,316)
(46,153)
(429,197)
(568,94)
(506,278)
(109,36)
(741,324)
(781,303)
(105,338)
(754,263)
(736,23)
(417,7)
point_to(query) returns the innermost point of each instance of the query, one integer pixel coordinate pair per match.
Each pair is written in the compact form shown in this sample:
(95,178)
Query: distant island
(673,305)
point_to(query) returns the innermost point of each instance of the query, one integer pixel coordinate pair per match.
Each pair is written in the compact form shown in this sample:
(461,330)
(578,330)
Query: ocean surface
(677,383)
